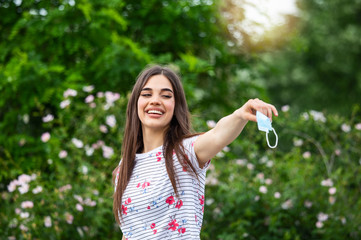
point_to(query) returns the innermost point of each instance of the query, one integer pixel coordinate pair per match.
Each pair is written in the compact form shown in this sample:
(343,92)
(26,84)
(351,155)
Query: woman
(159,183)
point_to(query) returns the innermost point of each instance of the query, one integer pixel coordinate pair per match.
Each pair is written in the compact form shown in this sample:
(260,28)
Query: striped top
(150,207)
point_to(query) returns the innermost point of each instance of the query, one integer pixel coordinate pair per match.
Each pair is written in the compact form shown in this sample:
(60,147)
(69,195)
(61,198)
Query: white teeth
(155,111)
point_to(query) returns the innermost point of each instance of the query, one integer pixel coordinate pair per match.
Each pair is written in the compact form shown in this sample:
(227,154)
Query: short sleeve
(188,144)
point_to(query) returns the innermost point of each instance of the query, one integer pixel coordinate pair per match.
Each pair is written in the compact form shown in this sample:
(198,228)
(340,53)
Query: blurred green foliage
(66,69)
(318,68)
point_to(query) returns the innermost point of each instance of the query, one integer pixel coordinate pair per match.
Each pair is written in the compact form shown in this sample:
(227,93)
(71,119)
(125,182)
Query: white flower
(308,204)
(260,176)
(332,191)
(88,88)
(24,188)
(346,128)
(12,186)
(226,149)
(209,201)
(277,195)
(37,190)
(27,204)
(241,162)
(250,166)
(322,217)
(26,118)
(338,152)
(318,116)
(92,105)
(263,159)
(306,155)
(78,143)
(63,154)
(107,151)
(256,198)
(33,176)
(319,224)
(48,118)
(263,189)
(111,97)
(89,150)
(100,94)
(332,200)
(268,181)
(79,207)
(211,123)
(23,228)
(45,137)
(17,211)
(287,205)
(70,92)
(50,161)
(89,99)
(111,121)
(103,128)
(269,164)
(47,221)
(84,170)
(343,220)
(305,116)
(220,154)
(24,214)
(297,142)
(358,126)
(64,103)
(65,187)
(285,108)
(79,198)
(327,183)
(69,218)
(23,178)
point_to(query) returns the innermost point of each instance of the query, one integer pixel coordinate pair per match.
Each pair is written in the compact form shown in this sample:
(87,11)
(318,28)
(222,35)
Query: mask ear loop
(268,140)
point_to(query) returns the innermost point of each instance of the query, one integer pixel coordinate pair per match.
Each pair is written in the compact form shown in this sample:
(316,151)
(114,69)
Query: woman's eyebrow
(162,90)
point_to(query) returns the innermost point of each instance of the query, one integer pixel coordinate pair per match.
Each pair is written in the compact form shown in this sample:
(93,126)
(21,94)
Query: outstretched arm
(228,128)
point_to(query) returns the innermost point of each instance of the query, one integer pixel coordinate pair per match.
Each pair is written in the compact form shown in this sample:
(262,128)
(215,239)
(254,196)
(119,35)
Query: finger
(269,113)
(274,110)
(252,117)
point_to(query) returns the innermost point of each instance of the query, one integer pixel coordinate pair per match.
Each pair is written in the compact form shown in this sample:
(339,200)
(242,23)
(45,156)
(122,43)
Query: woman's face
(156,103)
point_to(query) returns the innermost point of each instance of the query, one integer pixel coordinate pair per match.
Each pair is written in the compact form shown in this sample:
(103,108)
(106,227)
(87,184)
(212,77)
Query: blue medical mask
(264,124)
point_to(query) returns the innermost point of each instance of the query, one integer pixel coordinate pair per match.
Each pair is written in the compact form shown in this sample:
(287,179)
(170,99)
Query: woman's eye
(167,96)
(146,95)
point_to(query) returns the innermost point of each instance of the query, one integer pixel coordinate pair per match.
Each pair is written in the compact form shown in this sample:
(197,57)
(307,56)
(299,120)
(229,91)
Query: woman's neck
(152,139)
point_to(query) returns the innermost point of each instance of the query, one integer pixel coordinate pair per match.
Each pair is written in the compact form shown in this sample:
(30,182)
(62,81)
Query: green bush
(307,188)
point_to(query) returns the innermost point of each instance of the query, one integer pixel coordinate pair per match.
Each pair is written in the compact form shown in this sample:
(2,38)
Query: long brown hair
(179,128)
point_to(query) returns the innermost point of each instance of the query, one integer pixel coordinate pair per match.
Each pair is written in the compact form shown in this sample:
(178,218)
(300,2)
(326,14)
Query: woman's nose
(155,100)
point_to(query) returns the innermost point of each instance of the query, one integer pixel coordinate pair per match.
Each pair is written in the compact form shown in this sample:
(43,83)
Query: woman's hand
(248,110)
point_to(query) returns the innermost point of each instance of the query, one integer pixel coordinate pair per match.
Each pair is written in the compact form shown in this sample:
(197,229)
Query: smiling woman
(160,181)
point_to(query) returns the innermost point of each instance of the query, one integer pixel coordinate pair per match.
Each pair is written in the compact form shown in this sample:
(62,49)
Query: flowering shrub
(70,196)
(307,188)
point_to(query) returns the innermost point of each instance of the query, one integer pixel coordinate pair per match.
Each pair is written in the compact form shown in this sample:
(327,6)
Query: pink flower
(70,92)
(89,99)
(88,88)
(263,189)
(48,118)
(332,190)
(285,108)
(173,225)
(124,209)
(110,120)
(182,230)
(107,151)
(103,128)
(27,204)
(65,103)
(45,137)
(170,200)
(47,221)
(277,195)
(79,207)
(358,126)
(69,218)
(201,200)
(306,155)
(179,204)
(63,154)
